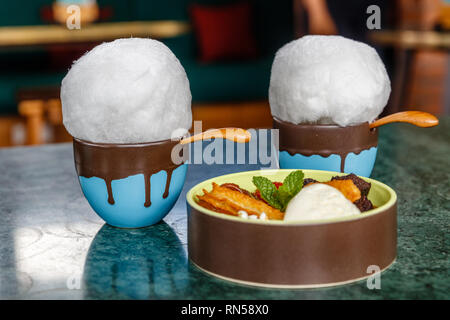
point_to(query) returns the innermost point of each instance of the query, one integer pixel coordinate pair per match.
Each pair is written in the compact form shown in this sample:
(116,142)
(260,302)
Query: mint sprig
(268,191)
(280,198)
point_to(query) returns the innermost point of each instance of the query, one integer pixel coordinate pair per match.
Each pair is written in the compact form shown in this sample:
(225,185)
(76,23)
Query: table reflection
(146,263)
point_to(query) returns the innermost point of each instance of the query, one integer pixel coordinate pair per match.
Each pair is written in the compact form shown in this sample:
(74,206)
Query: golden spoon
(417,118)
(233,134)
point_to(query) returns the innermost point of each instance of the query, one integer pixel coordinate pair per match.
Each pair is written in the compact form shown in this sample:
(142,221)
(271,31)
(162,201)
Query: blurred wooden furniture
(444,18)
(428,87)
(41,113)
(421,56)
(250,114)
(33,111)
(41,109)
(418,14)
(410,39)
(57,34)
(233,81)
(421,68)
(12,128)
(40,106)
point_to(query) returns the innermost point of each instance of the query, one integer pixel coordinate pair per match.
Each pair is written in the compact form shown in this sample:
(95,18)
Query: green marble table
(53,246)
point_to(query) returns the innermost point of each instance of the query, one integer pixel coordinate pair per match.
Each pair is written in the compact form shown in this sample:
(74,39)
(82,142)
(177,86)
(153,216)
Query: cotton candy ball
(328,79)
(126,91)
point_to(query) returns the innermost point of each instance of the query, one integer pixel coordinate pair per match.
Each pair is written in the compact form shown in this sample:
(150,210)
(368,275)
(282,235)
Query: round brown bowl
(350,149)
(292,254)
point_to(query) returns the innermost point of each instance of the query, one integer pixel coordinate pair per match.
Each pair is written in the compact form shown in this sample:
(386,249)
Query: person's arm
(319,18)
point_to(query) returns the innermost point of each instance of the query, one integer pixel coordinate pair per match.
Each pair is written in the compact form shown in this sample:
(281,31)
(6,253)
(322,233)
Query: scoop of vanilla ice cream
(319,201)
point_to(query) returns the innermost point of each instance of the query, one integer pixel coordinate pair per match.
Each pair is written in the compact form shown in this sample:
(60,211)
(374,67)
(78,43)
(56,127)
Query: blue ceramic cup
(351,149)
(131,185)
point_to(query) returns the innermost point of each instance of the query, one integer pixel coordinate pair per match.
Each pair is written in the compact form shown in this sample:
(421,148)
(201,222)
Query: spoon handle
(417,118)
(233,134)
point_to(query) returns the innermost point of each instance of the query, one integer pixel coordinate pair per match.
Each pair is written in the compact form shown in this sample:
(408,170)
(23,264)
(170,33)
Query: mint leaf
(284,197)
(293,183)
(280,198)
(268,191)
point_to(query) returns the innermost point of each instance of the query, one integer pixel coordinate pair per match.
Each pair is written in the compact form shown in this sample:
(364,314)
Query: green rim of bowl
(316,174)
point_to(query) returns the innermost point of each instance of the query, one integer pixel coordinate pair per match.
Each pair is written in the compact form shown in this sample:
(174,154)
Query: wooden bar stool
(39,114)
(33,111)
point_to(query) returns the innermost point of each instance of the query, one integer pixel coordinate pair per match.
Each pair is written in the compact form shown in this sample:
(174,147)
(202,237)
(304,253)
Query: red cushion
(224,32)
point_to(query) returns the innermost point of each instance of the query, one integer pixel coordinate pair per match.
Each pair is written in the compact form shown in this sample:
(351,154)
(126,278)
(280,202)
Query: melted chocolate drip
(169,177)
(343,156)
(109,188)
(148,201)
(118,161)
(325,140)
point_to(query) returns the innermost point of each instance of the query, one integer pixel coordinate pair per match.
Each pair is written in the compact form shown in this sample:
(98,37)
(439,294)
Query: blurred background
(226,47)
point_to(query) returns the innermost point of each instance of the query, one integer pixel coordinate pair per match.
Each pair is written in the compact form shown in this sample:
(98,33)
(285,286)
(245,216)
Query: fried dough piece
(347,187)
(216,204)
(211,207)
(233,201)
(234,186)
(360,183)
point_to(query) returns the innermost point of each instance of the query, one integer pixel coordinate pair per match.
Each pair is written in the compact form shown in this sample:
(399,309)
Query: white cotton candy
(328,79)
(126,91)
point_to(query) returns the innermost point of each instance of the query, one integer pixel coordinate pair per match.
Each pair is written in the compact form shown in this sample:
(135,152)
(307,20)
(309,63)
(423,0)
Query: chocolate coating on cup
(325,140)
(118,161)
